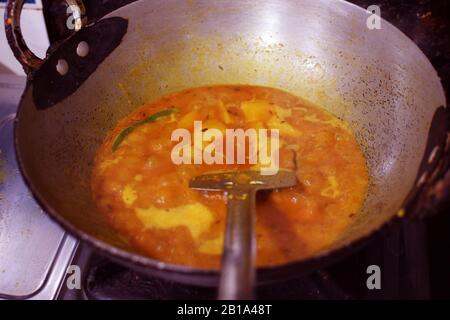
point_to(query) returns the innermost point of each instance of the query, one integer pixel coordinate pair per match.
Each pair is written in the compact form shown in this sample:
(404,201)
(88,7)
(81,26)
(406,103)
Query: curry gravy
(146,197)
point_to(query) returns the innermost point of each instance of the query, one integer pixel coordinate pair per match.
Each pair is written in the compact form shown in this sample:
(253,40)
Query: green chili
(121,137)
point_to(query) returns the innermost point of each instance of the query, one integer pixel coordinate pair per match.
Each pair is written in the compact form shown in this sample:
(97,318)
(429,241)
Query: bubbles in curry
(147,199)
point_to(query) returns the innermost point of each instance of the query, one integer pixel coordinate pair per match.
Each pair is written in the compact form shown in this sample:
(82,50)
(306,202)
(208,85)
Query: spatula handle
(238,261)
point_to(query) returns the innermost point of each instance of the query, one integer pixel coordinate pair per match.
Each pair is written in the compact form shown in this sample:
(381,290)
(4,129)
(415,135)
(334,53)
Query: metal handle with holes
(23,54)
(431,193)
(238,261)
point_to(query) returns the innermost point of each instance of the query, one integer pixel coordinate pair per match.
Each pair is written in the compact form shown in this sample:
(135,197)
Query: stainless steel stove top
(34,251)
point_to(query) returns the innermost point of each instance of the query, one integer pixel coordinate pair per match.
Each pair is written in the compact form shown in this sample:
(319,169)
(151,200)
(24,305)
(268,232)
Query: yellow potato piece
(256,110)
(282,113)
(214,246)
(285,128)
(332,190)
(196,217)
(225,115)
(188,120)
(129,195)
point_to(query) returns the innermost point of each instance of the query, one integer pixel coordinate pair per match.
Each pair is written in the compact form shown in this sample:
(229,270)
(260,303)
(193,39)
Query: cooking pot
(375,79)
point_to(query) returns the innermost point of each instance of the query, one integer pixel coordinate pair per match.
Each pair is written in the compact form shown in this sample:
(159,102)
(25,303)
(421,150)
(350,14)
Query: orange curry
(146,197)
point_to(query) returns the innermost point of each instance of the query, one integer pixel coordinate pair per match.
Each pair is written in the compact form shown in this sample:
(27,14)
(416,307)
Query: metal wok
(377,80)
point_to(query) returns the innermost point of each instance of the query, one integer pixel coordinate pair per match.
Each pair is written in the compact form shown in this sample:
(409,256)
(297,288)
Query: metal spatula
(238,260)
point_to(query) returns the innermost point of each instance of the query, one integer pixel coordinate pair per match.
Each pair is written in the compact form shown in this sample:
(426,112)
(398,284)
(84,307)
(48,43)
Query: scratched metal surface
(34,252)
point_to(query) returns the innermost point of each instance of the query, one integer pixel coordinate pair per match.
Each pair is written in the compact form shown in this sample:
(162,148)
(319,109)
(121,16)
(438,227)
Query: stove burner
(399,251)
(106,281)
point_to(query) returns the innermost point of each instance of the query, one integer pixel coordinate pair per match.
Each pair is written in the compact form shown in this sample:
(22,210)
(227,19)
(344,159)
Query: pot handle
(23,54)
(432,186)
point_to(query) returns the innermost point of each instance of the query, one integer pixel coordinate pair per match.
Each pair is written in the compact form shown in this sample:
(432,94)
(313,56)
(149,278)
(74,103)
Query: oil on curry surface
(146,197)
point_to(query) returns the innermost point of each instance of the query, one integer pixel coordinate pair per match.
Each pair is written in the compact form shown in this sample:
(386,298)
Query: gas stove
(400,251)
(34,252)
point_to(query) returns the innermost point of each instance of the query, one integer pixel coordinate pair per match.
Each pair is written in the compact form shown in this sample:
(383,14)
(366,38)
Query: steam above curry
(145,195)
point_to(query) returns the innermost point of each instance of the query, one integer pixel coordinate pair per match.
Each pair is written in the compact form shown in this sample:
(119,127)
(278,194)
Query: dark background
(427,23)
